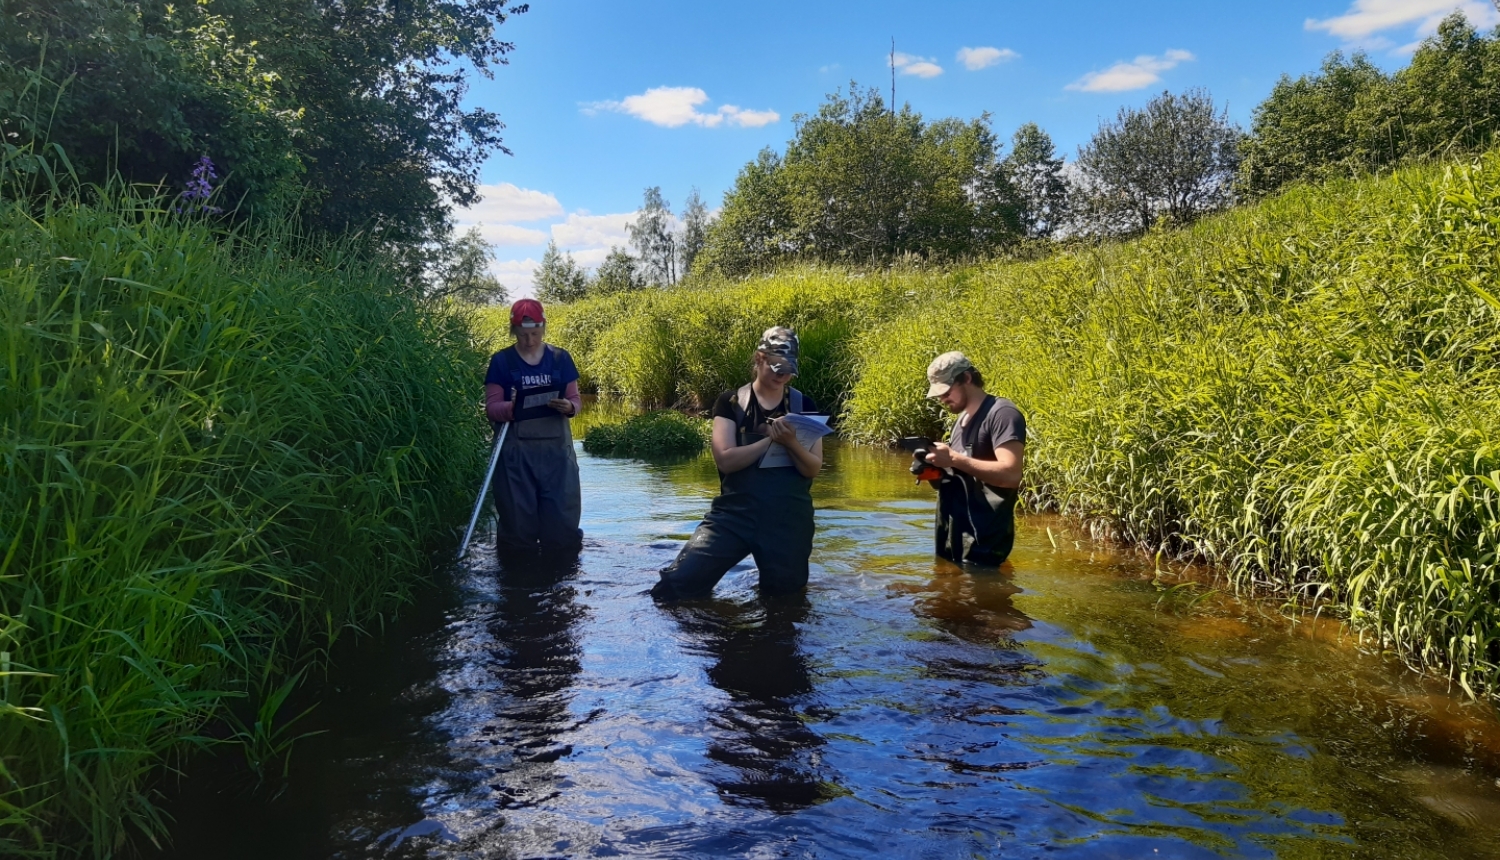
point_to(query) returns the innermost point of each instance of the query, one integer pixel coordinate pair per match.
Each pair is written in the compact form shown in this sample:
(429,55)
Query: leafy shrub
(651,434)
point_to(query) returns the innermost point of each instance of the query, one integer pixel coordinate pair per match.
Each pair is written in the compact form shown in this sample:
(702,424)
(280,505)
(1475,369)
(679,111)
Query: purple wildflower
(199,189)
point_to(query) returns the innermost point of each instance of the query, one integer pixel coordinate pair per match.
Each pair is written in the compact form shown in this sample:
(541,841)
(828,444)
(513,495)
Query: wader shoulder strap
(742,407)
(742,402)
(971,429)
(512,360)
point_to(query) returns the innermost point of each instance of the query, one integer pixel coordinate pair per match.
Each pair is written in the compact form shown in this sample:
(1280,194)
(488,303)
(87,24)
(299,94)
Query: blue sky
(603,99)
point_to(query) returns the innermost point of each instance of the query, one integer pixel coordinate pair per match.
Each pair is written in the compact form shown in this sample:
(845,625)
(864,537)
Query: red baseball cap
(526,308)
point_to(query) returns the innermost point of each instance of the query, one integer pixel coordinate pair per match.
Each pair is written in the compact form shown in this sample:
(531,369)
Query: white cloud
(674,107)
(975,59)
(507,234)
(1365,18)
(1143,71)
(516,275)
(748,118)
(922,67)
(582,231)
(506,204)
(590,258)
(501,206)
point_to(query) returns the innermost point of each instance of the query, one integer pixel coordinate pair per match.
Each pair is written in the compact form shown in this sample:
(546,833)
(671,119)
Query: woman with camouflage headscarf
(764,508)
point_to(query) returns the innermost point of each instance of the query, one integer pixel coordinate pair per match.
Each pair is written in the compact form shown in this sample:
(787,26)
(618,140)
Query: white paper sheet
(809,429)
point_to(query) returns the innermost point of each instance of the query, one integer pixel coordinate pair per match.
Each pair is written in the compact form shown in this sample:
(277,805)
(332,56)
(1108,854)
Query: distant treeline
(863,183)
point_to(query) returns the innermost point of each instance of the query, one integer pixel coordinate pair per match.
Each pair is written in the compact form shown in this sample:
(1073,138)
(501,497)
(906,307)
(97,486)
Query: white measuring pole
(463,549)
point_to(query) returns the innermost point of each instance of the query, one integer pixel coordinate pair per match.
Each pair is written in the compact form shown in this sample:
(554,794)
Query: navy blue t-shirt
(555,369)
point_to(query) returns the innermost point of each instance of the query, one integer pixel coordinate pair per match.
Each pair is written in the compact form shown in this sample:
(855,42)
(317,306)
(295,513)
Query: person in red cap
(533,386)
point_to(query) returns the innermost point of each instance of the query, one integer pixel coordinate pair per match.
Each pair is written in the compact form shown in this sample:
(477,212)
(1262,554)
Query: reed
(220,450)
(1304,392)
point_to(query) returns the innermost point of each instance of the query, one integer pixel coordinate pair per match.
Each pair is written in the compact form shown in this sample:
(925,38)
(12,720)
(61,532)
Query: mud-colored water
(1065,706)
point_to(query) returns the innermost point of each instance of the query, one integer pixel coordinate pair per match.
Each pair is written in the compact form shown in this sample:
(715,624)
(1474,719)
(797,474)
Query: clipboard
(532,403)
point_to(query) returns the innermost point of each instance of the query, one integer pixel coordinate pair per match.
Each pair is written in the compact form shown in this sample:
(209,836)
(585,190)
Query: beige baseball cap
(945,370)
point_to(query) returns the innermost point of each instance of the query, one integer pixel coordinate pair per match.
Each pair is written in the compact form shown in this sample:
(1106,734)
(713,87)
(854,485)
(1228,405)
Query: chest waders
(763,513)
(537,497)
(976,522)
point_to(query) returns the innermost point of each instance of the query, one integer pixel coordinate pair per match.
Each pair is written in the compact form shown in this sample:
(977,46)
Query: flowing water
(1068,705)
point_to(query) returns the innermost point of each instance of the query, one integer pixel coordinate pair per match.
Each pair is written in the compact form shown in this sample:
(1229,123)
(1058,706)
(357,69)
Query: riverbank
(1302,393)
(223,449)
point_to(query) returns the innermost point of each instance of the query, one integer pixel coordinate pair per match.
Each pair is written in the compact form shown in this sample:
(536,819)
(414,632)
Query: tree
(651,235)
(350,115)
(754,227)
(559,278)
(1351,118)
(694,231)
(617,274)
(1174,159)
(464,272)
(1317,127)
(861,183)
(1449,95)
(1035,172)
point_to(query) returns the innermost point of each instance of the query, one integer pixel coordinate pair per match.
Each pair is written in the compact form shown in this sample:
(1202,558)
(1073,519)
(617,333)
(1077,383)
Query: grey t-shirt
(1004,423)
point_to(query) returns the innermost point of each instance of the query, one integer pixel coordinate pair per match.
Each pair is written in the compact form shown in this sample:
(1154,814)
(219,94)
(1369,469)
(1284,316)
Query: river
(1071,704)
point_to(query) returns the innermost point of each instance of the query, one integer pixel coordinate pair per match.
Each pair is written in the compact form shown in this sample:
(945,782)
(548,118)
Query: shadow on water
(1062,706)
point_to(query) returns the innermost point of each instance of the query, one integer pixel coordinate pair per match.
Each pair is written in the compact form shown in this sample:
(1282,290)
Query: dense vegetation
(661,433)
(1303,392)
(231,426)
(220,450)
(1351,118)
(345,116)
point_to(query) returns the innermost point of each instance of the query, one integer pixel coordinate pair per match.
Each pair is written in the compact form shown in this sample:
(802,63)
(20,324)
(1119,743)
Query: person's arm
(1003,471)
(730,457)
(497,407)
(570,402)
(808,462)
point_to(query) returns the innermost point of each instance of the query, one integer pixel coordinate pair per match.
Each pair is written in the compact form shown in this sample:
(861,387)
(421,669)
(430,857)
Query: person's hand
(562,404)
(940,455)
(782,433)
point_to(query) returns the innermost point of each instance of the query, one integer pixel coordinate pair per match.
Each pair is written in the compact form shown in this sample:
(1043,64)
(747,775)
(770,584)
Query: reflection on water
(1064,705)
(535,659)
(770,754)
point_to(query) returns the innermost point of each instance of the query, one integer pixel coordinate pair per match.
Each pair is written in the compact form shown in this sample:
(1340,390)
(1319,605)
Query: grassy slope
(1303,392)
(218,453)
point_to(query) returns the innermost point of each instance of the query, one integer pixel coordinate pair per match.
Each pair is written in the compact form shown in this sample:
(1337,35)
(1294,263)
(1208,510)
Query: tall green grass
(1304,393)
(219,451)
(685,347)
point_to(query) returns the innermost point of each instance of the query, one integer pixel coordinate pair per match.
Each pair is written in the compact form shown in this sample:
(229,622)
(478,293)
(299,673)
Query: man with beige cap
(981,464)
